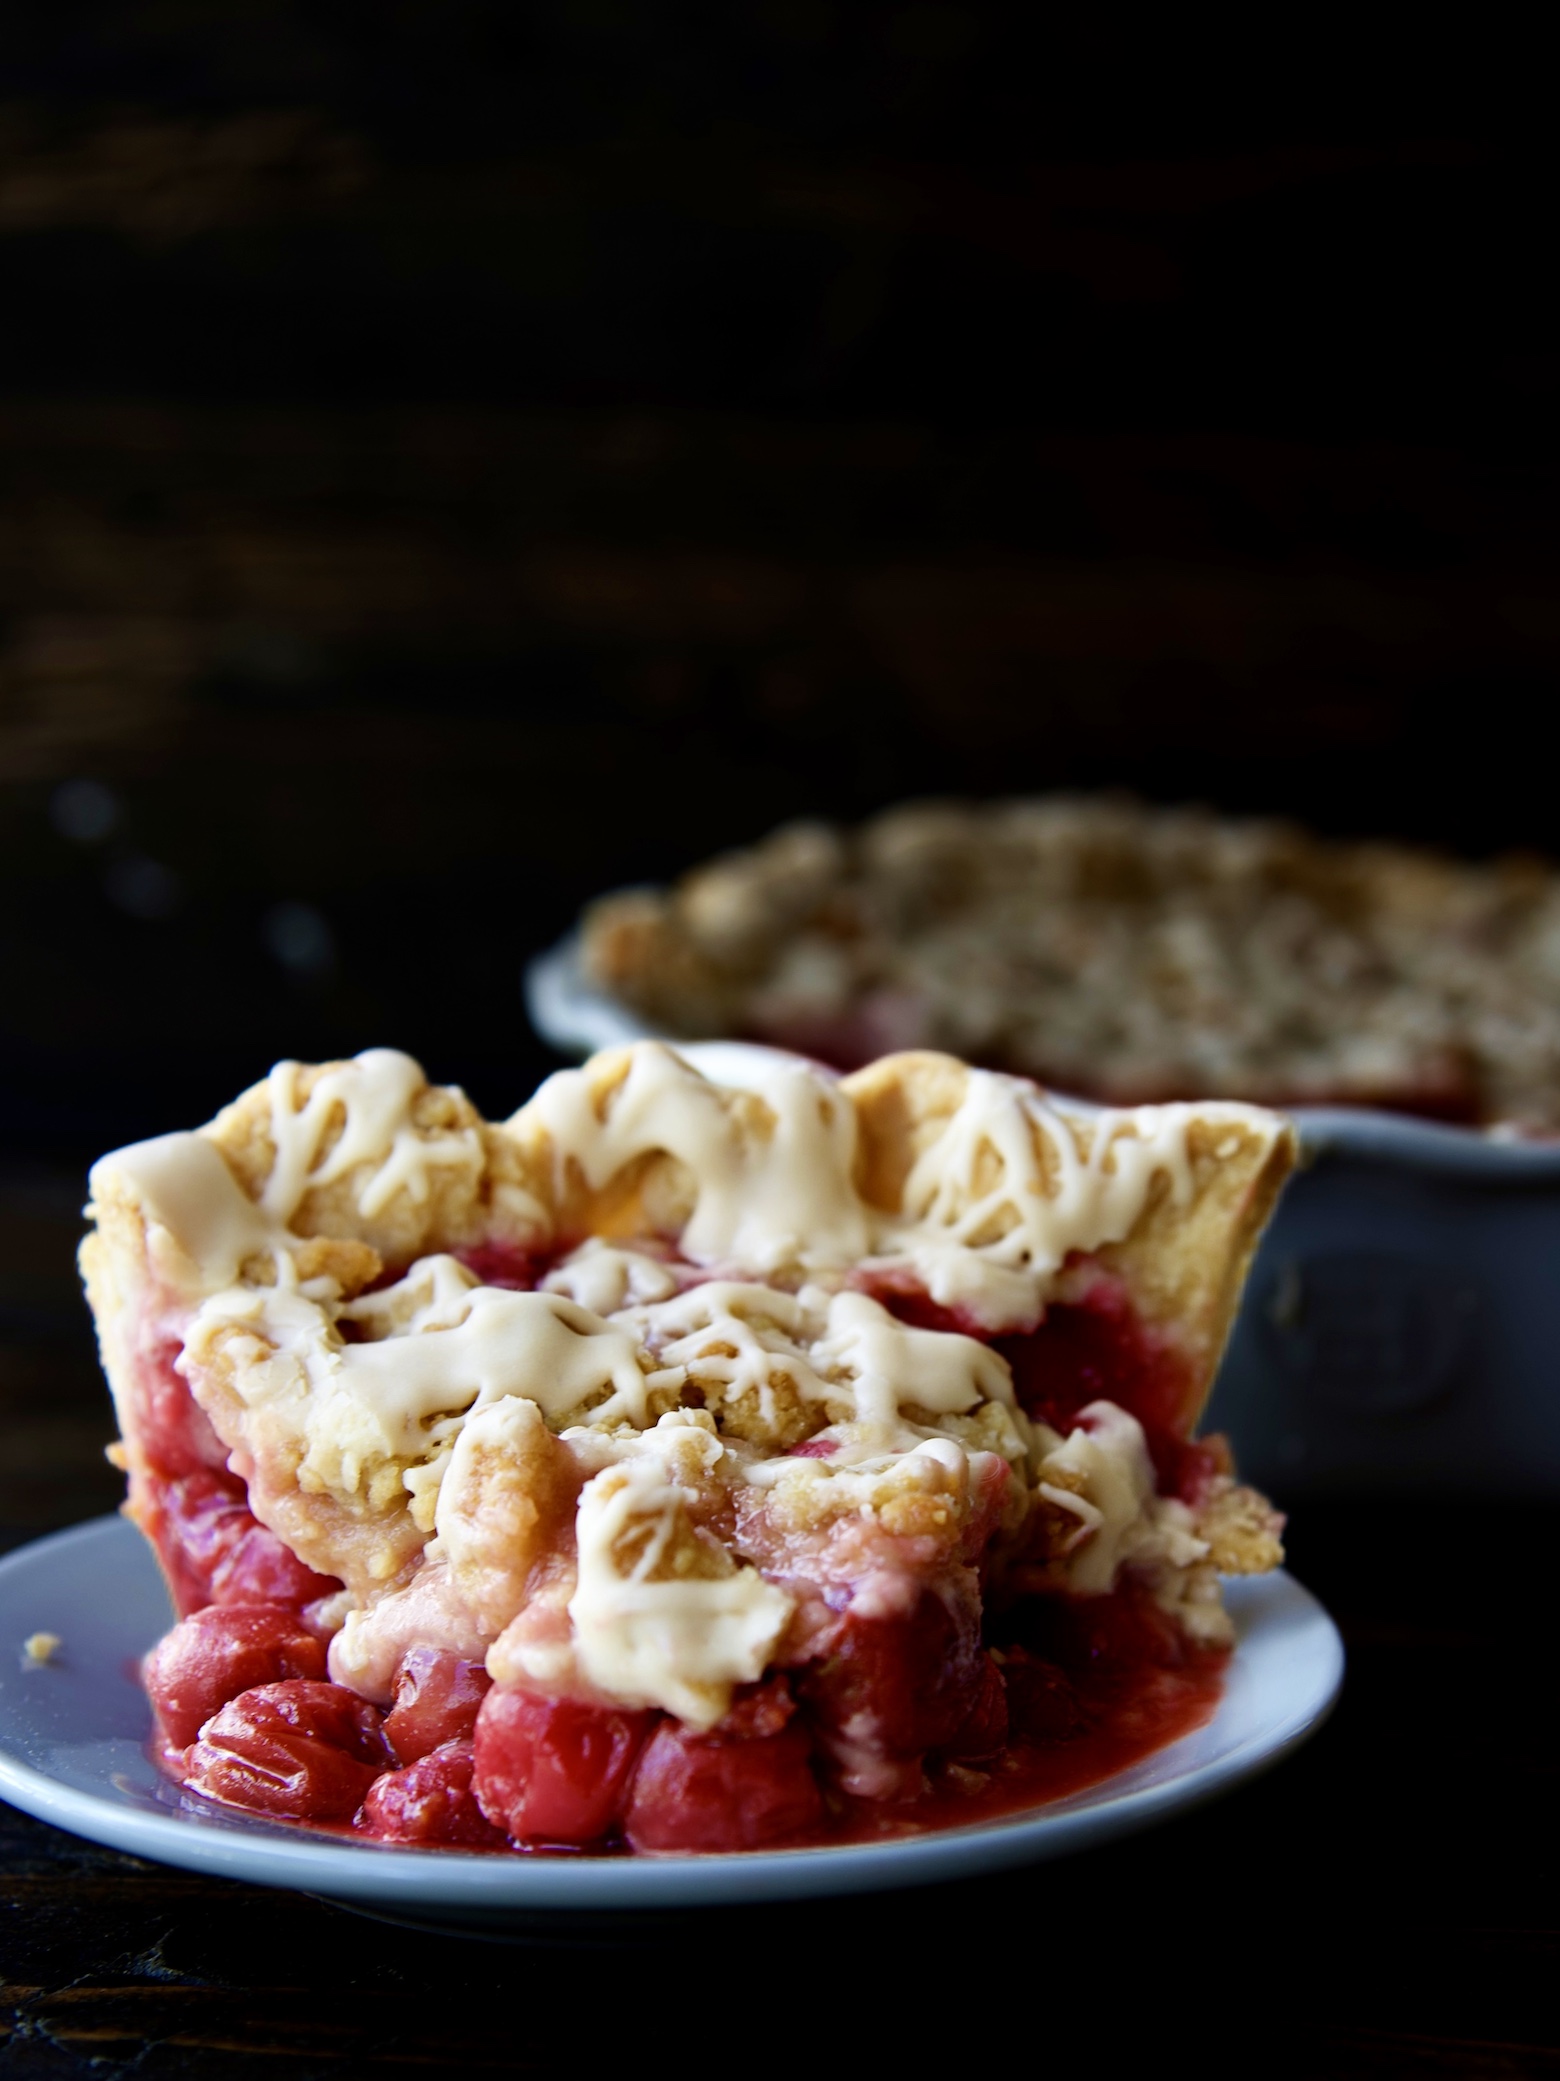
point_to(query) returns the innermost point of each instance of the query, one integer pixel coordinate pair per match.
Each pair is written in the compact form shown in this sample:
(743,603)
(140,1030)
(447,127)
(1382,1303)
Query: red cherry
(730,1789)
(430,1801)
(551,1770)
(437,1699)
(218,1653)
(304,1751)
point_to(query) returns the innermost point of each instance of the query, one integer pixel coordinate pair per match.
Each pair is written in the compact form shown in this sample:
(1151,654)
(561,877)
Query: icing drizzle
(373,1094)
(771,1179)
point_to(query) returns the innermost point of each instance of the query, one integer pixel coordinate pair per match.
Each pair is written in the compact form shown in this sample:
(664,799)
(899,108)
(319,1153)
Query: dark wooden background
(457,458)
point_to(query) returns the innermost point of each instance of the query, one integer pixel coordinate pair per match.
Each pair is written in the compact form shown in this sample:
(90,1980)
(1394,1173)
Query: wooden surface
(1382,1904)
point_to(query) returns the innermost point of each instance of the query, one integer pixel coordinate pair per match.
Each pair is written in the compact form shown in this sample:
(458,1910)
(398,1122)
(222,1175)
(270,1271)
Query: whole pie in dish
(1126,953)
(716,1454)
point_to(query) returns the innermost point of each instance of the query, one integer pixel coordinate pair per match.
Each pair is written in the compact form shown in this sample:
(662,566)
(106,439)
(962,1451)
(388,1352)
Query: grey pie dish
(1400,1325)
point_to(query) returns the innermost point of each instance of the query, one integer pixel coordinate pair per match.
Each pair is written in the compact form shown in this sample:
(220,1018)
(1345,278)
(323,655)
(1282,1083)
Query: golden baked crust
(482,1191)
(1184,1261)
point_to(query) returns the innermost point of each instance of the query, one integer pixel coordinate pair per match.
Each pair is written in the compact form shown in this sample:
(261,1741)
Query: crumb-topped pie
(1121,952)
(718,1453)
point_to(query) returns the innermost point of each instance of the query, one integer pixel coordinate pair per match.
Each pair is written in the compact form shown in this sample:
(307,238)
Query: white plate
(73,1733)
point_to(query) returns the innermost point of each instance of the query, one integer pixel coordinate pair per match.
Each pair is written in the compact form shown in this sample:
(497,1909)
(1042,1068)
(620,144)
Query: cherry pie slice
(716,1454)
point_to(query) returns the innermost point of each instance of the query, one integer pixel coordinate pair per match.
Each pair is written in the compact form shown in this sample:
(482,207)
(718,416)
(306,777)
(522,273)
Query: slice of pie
(718,1453)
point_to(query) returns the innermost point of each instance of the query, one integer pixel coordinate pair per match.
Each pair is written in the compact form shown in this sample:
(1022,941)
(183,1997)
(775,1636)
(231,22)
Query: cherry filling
(437,1699)
(430,1802)
(550,1770)
(504,1264)
(216,1654)
(746,1783)
(1093,1349)
(900,1719)
(215,1551)
(212,1547)
(1079,1689)
(174,1430)
(895,1685)
(302,1751)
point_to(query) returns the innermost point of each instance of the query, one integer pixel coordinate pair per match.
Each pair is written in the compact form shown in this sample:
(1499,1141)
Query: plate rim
(487,1885)
(574,1016)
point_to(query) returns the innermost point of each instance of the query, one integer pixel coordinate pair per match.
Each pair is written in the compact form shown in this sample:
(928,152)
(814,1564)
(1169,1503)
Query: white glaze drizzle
(767,1196)
(1102,1476)
(435,1294)
(731,1339)
(772,1192)
(787,1199)
(204,1225)
(891,1365)
(993,1247)
(201,1223)
(374,1092)
(360,1406)
(647,1634)
(604,1278)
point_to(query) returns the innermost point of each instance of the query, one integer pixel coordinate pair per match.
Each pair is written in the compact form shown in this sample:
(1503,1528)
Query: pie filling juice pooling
(686,1464)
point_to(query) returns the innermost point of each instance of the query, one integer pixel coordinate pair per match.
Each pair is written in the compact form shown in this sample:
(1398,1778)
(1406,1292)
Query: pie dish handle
(1398,1332)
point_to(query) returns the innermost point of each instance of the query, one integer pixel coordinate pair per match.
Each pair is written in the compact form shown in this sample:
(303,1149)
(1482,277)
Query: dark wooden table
(1382,1904)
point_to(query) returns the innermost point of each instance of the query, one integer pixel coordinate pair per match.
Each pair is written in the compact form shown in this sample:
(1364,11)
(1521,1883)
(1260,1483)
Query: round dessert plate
(73,1750)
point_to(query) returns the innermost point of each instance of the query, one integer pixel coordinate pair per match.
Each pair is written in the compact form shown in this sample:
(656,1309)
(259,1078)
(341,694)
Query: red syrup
(1114,1723)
